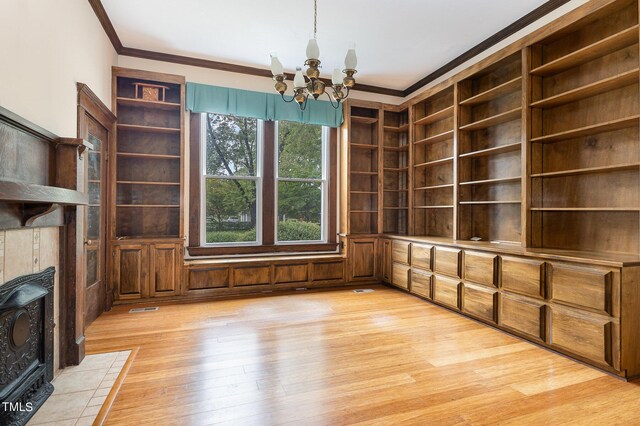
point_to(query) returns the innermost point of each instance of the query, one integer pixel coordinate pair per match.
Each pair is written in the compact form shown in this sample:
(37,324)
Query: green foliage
(287,231)
(231,151)
(299,231)
(231,236)
(299,150)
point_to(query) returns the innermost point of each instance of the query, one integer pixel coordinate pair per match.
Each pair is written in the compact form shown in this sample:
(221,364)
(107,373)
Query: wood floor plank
(343,358)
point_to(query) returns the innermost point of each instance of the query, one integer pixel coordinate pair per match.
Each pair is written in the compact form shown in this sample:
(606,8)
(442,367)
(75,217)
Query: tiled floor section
(80,391)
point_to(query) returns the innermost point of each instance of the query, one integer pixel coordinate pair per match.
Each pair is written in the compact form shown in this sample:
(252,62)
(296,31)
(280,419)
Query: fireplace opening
(26,345)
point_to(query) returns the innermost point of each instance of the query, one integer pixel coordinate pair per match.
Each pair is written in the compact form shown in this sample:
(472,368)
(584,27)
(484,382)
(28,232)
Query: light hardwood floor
(344,358)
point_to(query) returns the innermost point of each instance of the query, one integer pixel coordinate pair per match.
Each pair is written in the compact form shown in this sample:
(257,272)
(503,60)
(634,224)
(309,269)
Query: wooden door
(130,271)
(165,269)
(95,219)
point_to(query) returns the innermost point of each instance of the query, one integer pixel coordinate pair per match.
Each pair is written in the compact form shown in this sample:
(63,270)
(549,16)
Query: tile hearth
(80,391)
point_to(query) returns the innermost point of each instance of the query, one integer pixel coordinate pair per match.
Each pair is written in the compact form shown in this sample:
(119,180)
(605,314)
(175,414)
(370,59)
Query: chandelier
(312,84)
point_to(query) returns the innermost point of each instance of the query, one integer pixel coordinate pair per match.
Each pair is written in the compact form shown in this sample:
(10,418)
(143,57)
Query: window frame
(257,179)
(268,208)
(324,185)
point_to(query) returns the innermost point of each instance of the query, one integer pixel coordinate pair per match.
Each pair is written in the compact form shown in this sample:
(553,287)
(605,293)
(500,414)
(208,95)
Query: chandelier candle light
(312,85)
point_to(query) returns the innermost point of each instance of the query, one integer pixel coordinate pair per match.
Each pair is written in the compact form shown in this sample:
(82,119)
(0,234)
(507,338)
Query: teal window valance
(264,106)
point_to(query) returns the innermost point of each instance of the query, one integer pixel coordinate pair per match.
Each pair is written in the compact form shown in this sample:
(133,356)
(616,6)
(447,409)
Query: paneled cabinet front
(130,272)
(165,266)
(146,270)
(362,259)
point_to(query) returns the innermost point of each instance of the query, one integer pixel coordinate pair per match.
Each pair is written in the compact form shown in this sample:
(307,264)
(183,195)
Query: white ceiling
(398,41)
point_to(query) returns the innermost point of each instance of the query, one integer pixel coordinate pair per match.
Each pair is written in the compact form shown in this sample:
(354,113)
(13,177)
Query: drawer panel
(445,291)
(591,337)
(421,256)
(400,252)
(589,288)
(448,261)
(201,279)
(251,275)
(401,275)
(524,316)
(480,302)
(480,268)
(328,271)
(523,276)
(421,283)
(291,273)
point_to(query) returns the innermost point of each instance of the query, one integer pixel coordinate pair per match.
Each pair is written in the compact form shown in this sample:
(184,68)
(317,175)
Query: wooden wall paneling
(252,275)
(291,273)
(630,321)
(199,280)
(328,271)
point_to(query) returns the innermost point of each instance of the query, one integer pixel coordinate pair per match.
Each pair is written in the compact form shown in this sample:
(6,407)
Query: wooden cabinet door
(165,267)
(130,271)
(362,259)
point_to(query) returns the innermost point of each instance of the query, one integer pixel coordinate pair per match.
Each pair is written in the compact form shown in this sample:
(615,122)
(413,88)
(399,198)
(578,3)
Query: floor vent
(136,310)
(363,290)
(301,289)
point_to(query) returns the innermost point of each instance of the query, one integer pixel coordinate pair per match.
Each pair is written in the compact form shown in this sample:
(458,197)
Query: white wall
(46,47)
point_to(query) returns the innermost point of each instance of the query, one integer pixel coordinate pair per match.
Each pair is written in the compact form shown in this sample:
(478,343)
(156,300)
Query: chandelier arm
(287,101)
(337,104)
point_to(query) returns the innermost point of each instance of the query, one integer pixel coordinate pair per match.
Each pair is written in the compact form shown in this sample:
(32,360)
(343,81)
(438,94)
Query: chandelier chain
(315,17)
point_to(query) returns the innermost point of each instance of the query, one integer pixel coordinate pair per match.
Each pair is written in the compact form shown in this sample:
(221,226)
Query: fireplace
(26,345)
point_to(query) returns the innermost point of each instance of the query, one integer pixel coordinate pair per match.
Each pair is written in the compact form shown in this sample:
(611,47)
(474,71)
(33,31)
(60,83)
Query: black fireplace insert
(26,345)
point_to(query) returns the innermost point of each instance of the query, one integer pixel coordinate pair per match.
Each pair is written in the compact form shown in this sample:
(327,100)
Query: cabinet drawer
(480,302)
(589,336)
(589,288)
(421,283)
(448,261)
(523,276)
(400,275)
(481,268)
(421,256)
(445,291)
(400,252)
(523,316)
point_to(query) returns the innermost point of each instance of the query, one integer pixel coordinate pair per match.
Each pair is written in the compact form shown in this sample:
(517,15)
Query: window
(301,182)
(231,179)
(261,186)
